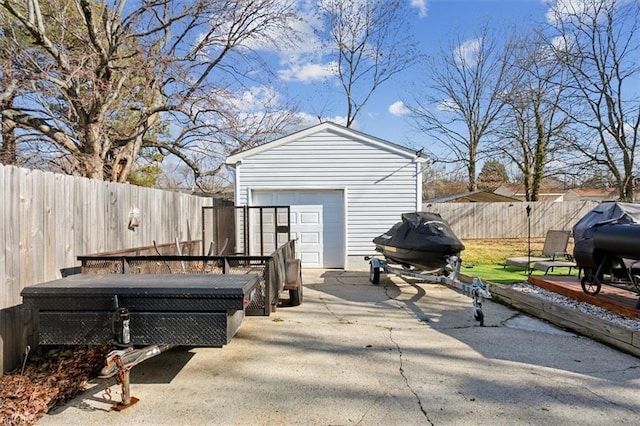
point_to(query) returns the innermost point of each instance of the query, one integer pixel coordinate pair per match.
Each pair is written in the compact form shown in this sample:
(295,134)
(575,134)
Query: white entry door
(307,229)
(317,224)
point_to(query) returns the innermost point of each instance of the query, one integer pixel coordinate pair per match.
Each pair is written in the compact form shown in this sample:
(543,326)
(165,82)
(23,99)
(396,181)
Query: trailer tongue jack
(119,363)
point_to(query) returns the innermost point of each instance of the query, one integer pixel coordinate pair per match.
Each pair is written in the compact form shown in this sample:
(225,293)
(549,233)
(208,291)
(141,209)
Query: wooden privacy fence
(47,220)
(509,220)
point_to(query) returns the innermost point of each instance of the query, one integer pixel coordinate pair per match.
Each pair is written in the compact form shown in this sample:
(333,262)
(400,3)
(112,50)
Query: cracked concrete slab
(526,322)
(401,352)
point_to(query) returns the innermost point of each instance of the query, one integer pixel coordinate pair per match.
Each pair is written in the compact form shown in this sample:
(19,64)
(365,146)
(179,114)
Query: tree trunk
(94,159)
(628,192)
(540,155)
(8,149)
(471,168)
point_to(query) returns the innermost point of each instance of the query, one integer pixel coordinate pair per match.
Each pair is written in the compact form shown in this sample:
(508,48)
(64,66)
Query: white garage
(344,188)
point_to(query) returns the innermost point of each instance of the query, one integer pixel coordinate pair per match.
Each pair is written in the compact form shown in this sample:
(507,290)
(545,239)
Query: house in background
(472,197)
(603,194)
(344,188)
(548,192)
(555,192)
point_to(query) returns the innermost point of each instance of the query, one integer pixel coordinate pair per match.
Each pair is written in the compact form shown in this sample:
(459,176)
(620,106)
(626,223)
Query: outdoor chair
(549,265)
(554,250)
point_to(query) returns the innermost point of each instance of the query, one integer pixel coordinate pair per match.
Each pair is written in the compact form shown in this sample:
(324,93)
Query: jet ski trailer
(424,247)
(477,290)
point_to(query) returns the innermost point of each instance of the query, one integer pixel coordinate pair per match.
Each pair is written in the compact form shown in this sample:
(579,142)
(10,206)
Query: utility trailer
(144,304)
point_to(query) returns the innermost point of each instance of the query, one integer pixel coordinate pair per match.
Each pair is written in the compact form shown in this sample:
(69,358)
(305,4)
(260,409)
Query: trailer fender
(293,269)
(375,262)
(293,281)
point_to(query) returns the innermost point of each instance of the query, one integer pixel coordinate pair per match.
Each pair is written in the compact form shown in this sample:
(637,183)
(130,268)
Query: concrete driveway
(399,352)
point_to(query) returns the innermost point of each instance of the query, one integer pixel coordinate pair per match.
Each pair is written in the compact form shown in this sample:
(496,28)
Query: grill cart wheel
(590,285)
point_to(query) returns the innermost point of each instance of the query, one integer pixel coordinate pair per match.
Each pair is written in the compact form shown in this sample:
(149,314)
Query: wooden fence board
(4,218)
(26,210)
(49,224)
(12,237)
(37,236)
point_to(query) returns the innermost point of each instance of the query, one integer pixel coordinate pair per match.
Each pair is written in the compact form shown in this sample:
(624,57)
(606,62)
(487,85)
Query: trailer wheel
(374,274)
(295,296)
(590,286)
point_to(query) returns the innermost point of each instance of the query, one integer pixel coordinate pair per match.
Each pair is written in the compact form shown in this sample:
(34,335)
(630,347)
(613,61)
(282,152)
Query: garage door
(317,222)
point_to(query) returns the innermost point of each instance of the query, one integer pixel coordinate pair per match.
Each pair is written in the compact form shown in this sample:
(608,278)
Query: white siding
(379,183)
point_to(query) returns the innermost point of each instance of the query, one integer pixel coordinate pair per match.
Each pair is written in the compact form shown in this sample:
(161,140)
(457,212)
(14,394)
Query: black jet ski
(422,240)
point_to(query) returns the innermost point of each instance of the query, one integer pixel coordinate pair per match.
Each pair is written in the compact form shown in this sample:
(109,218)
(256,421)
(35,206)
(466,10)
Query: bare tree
(371,42)
(11,81)
(597,41)
(460,97)
(532,127)
(437,181)
(110,78)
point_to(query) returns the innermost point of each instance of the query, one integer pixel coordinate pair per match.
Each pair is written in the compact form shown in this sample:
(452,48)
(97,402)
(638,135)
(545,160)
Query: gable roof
(598,193)
(331,127)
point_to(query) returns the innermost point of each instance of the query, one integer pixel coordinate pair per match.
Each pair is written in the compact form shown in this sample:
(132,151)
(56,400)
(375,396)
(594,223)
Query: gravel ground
(586,308)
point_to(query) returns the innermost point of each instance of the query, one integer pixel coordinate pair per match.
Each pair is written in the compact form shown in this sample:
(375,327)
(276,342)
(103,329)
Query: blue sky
(444,20)
(433,23)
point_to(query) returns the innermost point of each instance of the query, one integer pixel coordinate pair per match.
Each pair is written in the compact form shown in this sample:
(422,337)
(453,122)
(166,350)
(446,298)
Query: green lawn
(485,259)
(499,274)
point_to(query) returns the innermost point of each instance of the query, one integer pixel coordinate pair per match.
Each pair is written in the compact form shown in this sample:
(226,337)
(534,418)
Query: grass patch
(509,275)
(495,273)
(485,259)
(495,251)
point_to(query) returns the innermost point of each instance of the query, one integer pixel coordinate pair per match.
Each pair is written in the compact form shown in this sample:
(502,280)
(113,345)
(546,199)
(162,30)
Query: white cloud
(256,98)
(561,44)
(560,10)
(421,5)
(399,109)
(307,72)
(467,52)
(305,120)
(340,119)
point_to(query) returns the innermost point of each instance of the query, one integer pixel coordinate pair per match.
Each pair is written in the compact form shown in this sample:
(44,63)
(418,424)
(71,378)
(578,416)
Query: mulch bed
(50,377)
